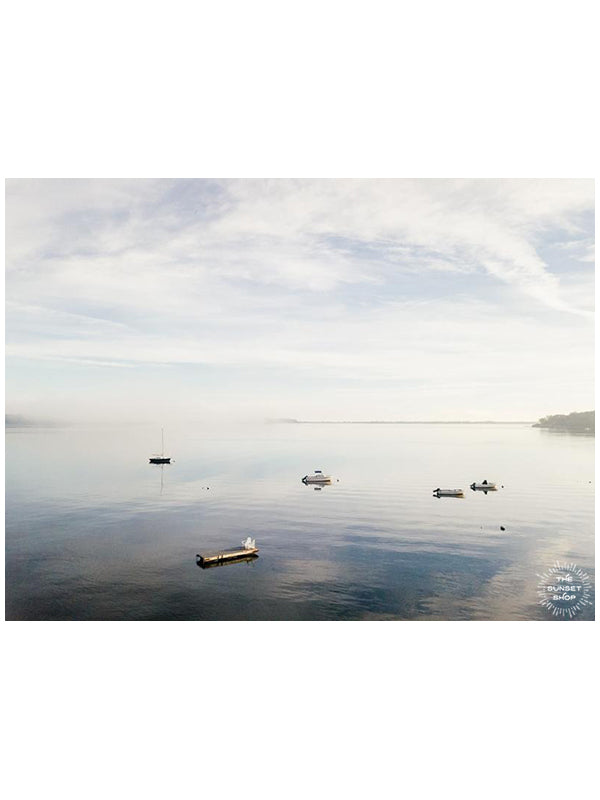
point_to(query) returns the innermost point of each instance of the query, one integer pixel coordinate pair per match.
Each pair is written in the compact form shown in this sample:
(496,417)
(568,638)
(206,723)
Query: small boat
(161,458)
(484,486)
(317,477)
(448,493)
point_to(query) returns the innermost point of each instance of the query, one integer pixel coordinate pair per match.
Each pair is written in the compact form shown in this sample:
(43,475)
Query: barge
(246,551)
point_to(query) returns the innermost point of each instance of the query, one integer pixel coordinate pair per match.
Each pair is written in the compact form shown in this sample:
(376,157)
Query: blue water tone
(94,532)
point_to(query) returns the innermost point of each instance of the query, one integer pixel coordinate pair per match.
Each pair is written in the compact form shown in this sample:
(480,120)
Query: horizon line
(403,421)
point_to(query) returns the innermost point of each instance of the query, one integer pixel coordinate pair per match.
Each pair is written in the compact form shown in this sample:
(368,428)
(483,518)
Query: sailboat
(162,458)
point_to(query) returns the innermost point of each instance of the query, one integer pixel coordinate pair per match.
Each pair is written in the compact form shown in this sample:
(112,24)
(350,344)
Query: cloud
(381,282)
(296,234)
(579,249)
(492,225)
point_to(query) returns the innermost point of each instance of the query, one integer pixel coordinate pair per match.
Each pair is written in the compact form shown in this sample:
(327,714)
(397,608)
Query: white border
(332,89)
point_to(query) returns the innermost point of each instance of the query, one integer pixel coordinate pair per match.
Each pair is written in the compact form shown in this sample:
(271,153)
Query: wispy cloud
(334,280)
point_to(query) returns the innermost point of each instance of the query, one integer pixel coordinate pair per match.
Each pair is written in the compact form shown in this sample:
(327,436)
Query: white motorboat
(316,477)
(448,493)
(484,486)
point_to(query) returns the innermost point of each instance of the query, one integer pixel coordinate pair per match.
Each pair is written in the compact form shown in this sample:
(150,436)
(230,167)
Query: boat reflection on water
(318,480)
(242,560)
(162,467)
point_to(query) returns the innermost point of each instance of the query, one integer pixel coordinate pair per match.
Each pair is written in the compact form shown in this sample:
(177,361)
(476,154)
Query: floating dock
(220,556)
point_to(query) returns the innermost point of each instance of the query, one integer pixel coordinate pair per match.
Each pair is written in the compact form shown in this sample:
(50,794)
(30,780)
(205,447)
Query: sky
(159,300)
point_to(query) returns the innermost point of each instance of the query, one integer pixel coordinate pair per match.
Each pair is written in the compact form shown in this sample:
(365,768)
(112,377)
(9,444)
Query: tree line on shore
(581,421)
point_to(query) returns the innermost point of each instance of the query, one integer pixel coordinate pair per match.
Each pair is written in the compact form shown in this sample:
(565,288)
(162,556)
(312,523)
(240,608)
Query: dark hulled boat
(162,458)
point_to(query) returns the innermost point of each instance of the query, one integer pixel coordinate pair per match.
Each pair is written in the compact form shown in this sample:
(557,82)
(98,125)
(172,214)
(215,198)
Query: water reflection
(90,539)
(565,432)
(241,560)
(162,466)
(319,484)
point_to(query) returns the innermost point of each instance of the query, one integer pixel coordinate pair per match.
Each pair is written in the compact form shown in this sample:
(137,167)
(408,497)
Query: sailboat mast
(162,439)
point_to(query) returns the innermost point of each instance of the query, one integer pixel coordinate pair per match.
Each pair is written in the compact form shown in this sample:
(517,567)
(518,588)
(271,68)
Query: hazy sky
(326,299)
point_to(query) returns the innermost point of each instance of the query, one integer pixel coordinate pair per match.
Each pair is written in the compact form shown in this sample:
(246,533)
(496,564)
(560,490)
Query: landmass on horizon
(21,421)
(401,421)
(577,421)
(581,421)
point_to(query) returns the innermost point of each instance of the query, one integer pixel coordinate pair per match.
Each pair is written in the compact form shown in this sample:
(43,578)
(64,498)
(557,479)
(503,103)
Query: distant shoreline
(400,422)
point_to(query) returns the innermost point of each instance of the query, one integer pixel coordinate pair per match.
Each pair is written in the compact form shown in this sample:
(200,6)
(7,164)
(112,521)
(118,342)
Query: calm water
(95,532)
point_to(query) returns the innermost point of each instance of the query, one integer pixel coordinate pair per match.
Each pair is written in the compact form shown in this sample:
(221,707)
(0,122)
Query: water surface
(94,532)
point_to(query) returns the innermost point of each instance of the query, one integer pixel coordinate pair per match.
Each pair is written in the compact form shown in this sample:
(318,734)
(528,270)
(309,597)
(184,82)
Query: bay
(95,532)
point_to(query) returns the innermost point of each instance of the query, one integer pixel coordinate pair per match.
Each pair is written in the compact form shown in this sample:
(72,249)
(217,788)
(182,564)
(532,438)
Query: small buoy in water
(502,528)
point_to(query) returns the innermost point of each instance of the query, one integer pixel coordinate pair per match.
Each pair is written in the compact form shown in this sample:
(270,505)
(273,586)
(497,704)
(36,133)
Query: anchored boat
(448,493)
(317,477)
(162,458)
(484,486)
